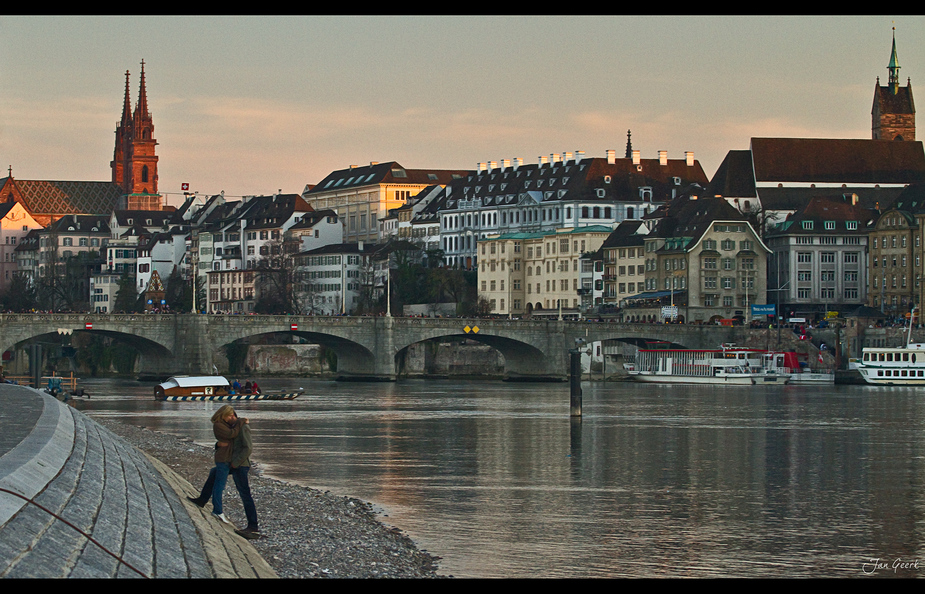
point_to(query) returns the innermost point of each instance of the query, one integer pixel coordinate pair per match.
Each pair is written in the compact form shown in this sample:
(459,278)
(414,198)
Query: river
(653,481)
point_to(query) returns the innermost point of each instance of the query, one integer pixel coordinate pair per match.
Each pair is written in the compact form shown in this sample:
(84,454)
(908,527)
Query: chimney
(579,155)
(568,156)
(372,163)
(492,165)
(505,164)
(481,167)
(612,157)
(555,158)
(662,157)
(543,160)
(518,162)
(689,157)
(355,166)
(635,157)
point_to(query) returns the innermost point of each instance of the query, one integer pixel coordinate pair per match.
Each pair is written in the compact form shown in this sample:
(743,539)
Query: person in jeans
(232,456)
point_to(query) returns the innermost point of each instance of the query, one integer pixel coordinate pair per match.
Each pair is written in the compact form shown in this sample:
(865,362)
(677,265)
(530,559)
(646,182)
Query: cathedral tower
(893,114)
(134,164)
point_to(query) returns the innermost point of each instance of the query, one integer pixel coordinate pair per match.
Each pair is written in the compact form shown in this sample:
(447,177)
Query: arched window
(144,174)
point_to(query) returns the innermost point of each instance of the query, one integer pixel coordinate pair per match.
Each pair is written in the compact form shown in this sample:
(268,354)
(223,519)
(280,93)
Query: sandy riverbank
(308,533)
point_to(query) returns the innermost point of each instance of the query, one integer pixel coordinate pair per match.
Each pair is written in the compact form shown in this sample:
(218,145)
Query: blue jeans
(215,484)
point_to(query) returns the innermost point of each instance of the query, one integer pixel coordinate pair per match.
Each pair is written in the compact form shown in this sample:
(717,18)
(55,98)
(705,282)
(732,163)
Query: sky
(254,105)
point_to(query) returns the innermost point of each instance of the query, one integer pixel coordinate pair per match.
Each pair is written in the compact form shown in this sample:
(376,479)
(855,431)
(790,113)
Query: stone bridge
(367,348)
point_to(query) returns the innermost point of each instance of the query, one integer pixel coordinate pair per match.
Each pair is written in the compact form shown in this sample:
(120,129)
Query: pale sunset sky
(253,105)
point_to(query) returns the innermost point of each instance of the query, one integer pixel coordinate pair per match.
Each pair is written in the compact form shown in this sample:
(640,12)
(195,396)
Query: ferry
(182,388)
(728,365)
(898,366)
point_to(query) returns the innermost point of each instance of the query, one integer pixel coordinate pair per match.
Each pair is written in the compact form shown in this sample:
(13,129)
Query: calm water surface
(653,481)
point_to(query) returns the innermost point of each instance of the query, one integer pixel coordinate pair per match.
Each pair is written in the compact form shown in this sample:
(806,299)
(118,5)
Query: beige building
(704,258)
(362,196)
(15,224)
(534,273)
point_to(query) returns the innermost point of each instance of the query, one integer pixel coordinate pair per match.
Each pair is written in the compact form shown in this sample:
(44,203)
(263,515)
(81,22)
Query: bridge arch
(353,359)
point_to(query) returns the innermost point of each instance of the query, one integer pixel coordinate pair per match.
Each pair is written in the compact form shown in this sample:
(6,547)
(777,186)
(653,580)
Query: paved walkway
(78,501)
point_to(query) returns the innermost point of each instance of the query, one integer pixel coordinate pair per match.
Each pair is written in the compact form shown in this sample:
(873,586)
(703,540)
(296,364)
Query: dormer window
(645,193)
(807,225)
(829,225)
(851,225)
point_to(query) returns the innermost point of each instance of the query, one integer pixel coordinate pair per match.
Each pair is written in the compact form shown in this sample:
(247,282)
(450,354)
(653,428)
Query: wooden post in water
(575,382)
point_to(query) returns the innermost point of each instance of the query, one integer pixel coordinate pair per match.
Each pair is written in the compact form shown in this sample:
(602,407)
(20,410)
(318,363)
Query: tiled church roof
(67,197)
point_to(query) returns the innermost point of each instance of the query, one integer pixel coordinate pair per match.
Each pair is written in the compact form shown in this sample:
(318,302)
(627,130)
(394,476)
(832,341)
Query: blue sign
(764,310)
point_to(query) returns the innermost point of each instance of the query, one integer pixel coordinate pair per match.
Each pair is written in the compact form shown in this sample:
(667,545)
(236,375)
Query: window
(827,257)
(804,257)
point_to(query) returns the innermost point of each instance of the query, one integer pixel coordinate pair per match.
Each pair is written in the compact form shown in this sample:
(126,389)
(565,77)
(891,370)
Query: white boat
(899,366)
(798,373)
(727,365)
(211,387)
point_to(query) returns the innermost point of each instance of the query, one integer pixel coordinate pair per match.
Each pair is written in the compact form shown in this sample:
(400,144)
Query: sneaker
(221,517)
(249,533)
(197,501)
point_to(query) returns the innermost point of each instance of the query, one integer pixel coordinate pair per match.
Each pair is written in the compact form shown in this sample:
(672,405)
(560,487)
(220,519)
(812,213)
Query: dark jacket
(241,450)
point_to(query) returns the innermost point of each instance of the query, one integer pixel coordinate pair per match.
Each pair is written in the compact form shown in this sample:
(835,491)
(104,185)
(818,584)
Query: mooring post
(575,379)
(35,364)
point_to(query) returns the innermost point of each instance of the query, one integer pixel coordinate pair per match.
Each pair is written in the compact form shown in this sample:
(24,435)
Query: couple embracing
(232,456)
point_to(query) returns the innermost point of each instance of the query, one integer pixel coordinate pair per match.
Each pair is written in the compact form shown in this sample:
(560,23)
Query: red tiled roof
(825,160)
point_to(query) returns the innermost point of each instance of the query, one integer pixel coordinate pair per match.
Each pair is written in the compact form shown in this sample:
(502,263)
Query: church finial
(629,145)
(894,67)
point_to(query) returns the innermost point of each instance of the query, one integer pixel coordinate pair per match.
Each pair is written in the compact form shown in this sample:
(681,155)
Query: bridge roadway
(367,348)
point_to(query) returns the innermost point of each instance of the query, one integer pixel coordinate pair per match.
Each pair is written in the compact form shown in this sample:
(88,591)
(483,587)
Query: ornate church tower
(134,164)
(893,114)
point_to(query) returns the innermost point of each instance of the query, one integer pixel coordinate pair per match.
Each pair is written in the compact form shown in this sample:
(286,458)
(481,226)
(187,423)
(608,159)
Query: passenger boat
(211,387)
(899,366)
(727,365)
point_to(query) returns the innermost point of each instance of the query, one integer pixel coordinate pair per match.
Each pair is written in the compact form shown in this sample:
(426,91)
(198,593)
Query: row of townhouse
(562,191)
(233,241)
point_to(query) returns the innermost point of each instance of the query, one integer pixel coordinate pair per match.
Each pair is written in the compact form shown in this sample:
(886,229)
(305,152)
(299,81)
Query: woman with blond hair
(232,456)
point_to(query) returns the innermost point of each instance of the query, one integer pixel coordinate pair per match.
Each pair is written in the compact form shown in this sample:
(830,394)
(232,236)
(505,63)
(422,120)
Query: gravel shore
(308,533)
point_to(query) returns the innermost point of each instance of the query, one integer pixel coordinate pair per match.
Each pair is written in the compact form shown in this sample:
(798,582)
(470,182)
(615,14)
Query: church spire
(134,164)
(127,104)
(629,145)
(141,108)
(894,67)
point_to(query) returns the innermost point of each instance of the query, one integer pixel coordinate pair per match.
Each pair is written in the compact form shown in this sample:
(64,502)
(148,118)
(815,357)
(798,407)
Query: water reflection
(653,481)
